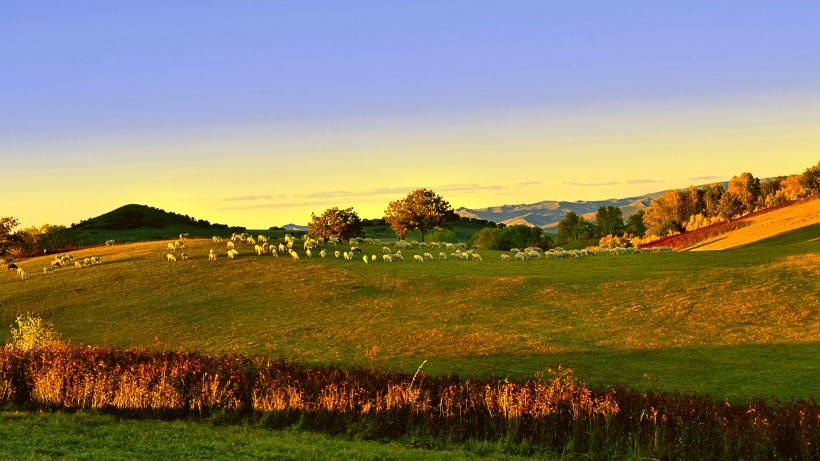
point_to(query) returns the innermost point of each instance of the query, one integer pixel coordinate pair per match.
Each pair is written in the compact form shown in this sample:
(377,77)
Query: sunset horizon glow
(257,114)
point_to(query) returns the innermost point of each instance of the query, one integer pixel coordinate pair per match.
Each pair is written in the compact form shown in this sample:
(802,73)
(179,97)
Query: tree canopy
(422,209)
(335,222)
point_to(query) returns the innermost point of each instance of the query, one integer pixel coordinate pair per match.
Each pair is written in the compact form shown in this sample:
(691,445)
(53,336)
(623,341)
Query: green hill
(132,223)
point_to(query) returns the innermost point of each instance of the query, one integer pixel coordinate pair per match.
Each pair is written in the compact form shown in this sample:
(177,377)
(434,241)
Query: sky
(258,113)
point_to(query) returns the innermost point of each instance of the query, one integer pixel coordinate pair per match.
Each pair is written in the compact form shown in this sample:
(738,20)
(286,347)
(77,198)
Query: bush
(30,332)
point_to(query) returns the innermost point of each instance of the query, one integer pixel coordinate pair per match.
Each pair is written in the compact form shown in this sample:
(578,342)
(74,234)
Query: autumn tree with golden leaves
(422,209)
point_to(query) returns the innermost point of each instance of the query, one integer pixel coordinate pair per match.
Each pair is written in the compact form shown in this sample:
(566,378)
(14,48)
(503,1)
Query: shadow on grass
(739,373)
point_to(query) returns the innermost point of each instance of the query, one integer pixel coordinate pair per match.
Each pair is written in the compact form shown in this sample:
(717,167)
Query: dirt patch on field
(767,225)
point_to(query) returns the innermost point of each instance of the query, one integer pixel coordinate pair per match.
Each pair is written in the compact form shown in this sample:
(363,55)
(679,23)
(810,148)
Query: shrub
(30,332)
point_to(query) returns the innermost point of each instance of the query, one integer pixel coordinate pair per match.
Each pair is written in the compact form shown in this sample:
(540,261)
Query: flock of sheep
(321,248)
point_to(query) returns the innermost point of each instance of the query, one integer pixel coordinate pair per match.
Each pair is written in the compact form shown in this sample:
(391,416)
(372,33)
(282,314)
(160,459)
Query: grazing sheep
(56,264)
(232,254)
(365,259)
(170,257)
(418,258)
(262,239)
(385,250)
(294,255)
(476,257)
(282,247)
(387,258)
(337,254)
(442,255)
(216,239)
(506,257)
(213,257)
(309,253)
(250,241)
(322,254)
(231,245)
(88,262)
(179,245)
(78,264)
(183,236)
(259,250)
(48,270)
(11,266)
(184,256)
(109,243)
(398,256)
(96,260)
(170,246)
(520,257)
(23,275)
(348,256)
(427,256)
(373,257)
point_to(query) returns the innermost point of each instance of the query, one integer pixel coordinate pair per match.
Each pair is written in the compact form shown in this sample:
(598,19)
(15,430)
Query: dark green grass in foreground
(83,435)
(741,323)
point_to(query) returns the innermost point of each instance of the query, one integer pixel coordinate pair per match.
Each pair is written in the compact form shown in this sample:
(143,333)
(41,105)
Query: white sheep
(259,250)
(48,270)
(418,258)
(184,256)
(88,262)
(385,250)
(179,245)
(294,255)
(348,256)
(365,259)
(23,275)
(282,247)
(216,239)
(506,257)
(387,258)
(170,257)
(337,253)
(231,245)
(96,260)
(373,258)
(78,264)
(109,243)
(476,257)
(520,257)
(322,254)
(262,239)
(427,256)
(170,246)
(213,257)
(183,236)
(398,256)
(442,255)
(232,254)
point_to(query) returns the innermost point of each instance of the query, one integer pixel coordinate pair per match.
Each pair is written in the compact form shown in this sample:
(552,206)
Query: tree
(810,179)
(747,188)
(336,223)
(663,215)
(634,224)
(790,189)
(730,206)
(7,237)
(422,209)
(711,198)
(609,220)
(570,228)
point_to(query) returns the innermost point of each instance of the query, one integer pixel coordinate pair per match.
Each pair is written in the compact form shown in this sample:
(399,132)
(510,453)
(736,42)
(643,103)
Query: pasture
(735,324)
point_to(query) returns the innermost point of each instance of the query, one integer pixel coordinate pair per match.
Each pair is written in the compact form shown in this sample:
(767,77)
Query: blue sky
(257,113)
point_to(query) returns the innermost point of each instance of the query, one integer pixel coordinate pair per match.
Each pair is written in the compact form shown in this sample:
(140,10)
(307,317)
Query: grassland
(25,435)
(738,324)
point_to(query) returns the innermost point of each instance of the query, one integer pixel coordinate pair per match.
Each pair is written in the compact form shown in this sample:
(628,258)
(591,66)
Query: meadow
(736,324)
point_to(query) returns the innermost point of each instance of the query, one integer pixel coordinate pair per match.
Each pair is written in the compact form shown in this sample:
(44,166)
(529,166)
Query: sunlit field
(739,324)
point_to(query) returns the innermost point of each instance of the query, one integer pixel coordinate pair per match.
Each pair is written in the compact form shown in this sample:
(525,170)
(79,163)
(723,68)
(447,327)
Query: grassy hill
(133,223)
(765,225)
(730,323)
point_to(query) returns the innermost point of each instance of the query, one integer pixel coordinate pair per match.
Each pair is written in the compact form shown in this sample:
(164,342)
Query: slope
(766,225)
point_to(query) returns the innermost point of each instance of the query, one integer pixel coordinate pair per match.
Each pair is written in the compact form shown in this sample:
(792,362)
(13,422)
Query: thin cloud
(529,183)
(467,187)
(249,198)
(643,181)
(591,184)
(704,178)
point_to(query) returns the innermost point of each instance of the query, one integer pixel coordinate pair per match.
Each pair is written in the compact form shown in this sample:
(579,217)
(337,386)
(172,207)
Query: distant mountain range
(549,213)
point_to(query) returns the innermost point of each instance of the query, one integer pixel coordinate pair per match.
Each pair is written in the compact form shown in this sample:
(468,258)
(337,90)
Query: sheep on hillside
(322,254)
(170,257)
(418,258)
(387,258)
(96,260)
(48,270)
(442,255)
(213,257)
(170,246)
(505,257)
(337,253)
(184,256)
(23,274)
(108,243)
(427,256)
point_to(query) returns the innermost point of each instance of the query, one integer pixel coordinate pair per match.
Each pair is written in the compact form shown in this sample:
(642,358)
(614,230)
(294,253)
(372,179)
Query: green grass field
(739,324)
(83,435)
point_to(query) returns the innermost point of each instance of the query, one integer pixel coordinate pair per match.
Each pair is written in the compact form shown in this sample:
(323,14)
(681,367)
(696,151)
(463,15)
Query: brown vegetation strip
(550,411)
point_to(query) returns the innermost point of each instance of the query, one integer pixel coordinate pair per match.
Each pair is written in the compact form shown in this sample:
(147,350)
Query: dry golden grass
(767,225)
